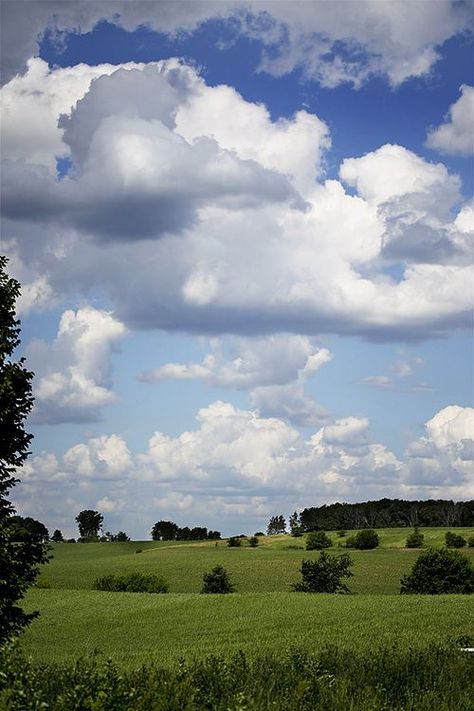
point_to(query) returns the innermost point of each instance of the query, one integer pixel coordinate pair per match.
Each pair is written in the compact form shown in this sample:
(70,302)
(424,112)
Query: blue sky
(244,235)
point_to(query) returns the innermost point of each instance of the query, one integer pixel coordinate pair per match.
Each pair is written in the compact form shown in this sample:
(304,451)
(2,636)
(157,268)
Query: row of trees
(384,513)
(170,531)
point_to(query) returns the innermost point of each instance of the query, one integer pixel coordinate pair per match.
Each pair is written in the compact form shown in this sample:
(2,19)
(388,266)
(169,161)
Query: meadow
(263,616)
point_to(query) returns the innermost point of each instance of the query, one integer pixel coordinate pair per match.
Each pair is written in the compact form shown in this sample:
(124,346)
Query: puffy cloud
(455,136)
(72,378)
(336,43)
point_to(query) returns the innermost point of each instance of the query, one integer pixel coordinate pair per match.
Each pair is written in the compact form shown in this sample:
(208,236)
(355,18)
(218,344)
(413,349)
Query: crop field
(262,616)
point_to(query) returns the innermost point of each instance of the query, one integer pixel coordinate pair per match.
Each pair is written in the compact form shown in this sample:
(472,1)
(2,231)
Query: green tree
(19,561)
(253,541)
(217,581)
(277,524)
(415,539)
(57,536)
(439,571)
(89,523)
(28,529)
(454,540)
(294,523)
(164,531)
(317,540)
(325,574)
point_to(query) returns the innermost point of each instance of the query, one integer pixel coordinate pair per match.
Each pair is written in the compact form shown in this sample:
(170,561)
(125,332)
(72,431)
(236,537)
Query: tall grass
(440,678)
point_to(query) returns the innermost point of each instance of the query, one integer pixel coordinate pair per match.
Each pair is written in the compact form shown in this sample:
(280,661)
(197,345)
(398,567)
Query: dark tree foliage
(294,523)
(234,542)
(26,529)
(277,524)
(454,540)
(164,531)
(317,540)
(57,536)
(439,571)
(415,539)
(363,540)
(120,537)
(19,561)
(217,581)
(253,541)
(170,531)
(388,513)
(89,523)
(325,574)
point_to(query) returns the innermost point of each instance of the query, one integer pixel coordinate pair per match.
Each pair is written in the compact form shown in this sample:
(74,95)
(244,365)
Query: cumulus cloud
(222,240)
(456,135)
(237,466)
(331,43)
(72,381)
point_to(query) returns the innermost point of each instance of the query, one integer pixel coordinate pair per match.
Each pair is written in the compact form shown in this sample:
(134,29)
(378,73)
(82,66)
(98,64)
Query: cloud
(72,374)
(236,468)
(221,240)
(339,43)
(455,135)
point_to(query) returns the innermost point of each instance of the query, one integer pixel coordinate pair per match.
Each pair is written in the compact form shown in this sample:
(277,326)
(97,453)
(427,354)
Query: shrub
(259,533)
(132,582)
(234,542)
(139,550)
(71,540)
(317,540)
(325,574)
(454,540)
(470,541)
(415,539)
(439,571)
(253,541)
(217,581)
(366,539)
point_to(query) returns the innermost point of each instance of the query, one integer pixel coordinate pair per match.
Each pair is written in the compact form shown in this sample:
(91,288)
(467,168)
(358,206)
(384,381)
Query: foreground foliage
(387,678)
(439,571)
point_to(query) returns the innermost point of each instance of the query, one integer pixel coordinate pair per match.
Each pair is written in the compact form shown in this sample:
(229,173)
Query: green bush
(365,540)
(217,581)
(470,541)
(132,582)
(454,540)
(415,539)
(439,571)
(253,541)
(317,540)
(234,542)
(325,574)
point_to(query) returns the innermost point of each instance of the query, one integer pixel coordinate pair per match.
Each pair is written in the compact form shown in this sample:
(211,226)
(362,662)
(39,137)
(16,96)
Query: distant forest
(387,513)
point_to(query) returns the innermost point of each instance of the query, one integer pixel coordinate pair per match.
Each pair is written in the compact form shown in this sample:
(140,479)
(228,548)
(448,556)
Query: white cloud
(331,42)
(456,135)
(72,378)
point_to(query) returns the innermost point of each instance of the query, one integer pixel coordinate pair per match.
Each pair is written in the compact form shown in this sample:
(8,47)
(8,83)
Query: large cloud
(331,42)
(219,239)
(236,467)
(72,374)
(456,135)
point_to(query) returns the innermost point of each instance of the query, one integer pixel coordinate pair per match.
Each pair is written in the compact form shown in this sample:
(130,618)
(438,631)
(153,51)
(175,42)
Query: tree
(454,540)
(24,529)
(120,537)
(363,540)
(234,542)
(89,523)
(415,539)
(217,581)
(325,574)
(253,541)
(57,536)
(439,571)
(294,523)
(317,540)
(164,531)
(19,561)
(277,524)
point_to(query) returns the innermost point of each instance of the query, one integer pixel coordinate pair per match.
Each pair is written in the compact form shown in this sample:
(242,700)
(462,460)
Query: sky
(244,235)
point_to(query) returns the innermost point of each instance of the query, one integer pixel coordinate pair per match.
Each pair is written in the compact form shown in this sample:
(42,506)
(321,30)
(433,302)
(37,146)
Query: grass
(271,567)
(136,628)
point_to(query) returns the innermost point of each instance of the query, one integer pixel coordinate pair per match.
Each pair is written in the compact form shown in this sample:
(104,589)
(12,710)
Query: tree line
(384,513)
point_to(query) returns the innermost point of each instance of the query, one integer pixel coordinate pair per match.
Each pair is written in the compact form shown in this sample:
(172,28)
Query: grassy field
(136,628)
(263,616)
(271,567)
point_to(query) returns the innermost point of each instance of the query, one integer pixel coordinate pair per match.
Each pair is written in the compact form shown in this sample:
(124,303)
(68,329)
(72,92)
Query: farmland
(263,616)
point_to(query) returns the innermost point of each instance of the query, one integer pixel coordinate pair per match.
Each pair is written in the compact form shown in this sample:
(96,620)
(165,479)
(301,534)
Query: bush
(325,574)
(317,540)
(217,581)
(470,541)
(132,582)
(454,540)
(439,571)
(253,541)
(365,540)
(234,542)
(139,550)
(415,539)
(259,533)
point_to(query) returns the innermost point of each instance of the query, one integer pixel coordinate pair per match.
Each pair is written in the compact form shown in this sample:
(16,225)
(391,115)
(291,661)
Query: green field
(263,616)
